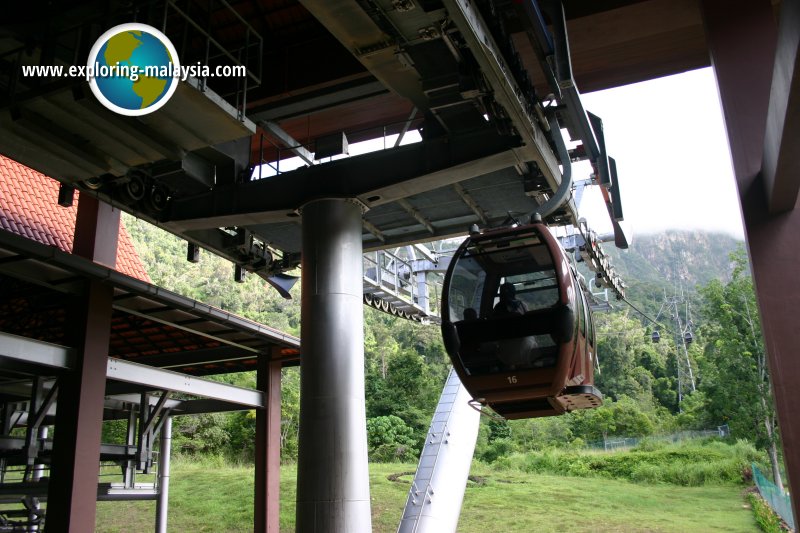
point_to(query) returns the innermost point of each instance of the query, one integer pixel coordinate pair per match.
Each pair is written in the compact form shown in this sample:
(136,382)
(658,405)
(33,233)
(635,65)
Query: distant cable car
(656,337)
(687,337)
(516,324)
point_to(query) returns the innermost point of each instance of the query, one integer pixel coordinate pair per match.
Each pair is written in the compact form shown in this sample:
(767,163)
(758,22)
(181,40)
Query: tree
(630,365)
(736,379)
(390,439)
(623,417)
(290,413)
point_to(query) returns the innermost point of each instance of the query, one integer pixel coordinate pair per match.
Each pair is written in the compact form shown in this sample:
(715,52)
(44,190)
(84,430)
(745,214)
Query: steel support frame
(40,403)
(167,380)
(266,511)
(162,503)
(332,469)
(742,37)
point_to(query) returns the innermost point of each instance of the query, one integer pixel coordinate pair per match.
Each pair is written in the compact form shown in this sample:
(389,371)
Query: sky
(668,139)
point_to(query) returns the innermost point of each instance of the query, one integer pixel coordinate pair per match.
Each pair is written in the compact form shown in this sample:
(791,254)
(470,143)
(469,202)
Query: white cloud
(668,138)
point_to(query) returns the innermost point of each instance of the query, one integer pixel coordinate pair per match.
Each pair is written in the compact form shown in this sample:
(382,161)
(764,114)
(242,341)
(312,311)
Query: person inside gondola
(514,353)
(508,304)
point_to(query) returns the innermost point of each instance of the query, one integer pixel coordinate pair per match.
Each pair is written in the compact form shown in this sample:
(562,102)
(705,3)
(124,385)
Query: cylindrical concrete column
(332,470)
(165,451)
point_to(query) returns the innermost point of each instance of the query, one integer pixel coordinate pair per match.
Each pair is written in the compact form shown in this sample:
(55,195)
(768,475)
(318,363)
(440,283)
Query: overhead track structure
(459,72)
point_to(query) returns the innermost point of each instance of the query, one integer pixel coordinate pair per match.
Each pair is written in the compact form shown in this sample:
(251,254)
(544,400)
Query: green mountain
(672,261)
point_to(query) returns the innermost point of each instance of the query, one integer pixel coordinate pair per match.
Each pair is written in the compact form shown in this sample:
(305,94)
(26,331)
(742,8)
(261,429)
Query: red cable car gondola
(516,324)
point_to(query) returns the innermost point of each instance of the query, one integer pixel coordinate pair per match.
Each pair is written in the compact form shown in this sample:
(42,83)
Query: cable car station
(494,89)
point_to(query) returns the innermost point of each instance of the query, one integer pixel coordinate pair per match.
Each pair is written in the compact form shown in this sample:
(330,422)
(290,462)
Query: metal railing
(621,443)
(271,153)
(391,273)
(248,53)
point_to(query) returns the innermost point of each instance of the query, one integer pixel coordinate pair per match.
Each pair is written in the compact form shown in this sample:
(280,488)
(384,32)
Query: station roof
(40,280)
(29,207)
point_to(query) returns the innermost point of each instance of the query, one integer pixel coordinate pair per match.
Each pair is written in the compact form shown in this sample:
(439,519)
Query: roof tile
(29,207)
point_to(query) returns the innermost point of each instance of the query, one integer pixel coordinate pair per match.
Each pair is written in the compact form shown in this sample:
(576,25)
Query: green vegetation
(767,519)
(207,496)
(694,463)
(536,474)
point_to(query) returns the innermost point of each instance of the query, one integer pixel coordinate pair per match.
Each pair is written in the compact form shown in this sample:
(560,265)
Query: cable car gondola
(517,326)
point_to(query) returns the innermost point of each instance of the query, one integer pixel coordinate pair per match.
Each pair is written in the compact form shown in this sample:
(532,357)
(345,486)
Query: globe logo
(133,69)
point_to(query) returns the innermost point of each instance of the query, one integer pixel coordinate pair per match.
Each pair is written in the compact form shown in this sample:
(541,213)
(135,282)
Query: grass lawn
(218,499)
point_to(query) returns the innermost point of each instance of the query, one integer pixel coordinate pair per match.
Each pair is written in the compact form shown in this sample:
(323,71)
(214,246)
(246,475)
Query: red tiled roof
(29,207)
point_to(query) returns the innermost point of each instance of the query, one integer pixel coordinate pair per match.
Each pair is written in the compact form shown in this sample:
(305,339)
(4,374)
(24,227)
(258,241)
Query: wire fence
(774,496)
(619,443)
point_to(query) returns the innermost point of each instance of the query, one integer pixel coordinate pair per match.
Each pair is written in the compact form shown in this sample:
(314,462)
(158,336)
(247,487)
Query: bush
(650,445)
(497,448)
(390,439)
(767,519)
(689,464)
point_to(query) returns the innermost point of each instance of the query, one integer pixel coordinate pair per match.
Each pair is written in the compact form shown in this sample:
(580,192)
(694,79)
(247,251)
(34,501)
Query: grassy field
(218,498)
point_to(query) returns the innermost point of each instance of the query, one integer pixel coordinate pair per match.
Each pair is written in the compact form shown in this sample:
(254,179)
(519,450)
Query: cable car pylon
(435,497)
(683,336)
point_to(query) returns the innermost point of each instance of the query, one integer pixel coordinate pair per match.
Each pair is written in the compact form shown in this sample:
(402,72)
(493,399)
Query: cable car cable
(652,320)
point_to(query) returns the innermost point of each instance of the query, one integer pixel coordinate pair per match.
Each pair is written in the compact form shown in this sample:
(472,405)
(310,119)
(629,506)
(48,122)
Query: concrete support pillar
(72,493)
(742,36)
(165,453)
(332,470)
(266,510)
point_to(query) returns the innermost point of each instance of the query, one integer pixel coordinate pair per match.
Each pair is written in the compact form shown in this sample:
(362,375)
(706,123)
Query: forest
(406,364)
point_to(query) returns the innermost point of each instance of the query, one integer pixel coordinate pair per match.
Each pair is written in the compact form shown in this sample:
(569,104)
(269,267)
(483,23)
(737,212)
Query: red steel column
(742,37)
(268,449)
(72,493)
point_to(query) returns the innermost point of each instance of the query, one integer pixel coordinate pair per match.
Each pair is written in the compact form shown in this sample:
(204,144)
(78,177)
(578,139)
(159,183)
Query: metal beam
(470,201)
(120,402)
(506,92)
(373,230)
(781,166)
(35,352)
(414,212)
(155,378)
(190,330)
(220,354)
(376,178)
(290,142)
(310,102)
